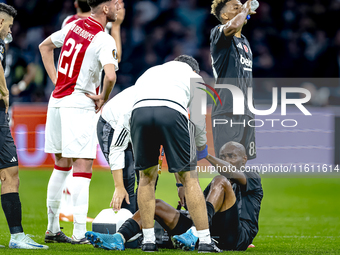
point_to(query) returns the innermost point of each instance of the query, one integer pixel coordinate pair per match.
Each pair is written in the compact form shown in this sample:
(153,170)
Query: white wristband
(22,85)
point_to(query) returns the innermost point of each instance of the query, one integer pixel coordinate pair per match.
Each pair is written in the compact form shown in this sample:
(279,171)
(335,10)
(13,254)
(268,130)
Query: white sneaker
(79,241)
(25,243)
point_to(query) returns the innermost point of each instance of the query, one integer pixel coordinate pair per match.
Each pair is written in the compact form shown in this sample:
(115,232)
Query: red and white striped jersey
(74,17)
(86,49)
(70,18)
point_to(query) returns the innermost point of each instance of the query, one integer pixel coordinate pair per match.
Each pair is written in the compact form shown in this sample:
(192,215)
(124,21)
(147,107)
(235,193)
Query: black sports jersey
(3,62)
(248,199)
(232,62)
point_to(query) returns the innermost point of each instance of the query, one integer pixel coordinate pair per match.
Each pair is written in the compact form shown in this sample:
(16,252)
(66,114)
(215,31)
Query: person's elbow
(111,77)
(46,46)
(41,47)
(230,30)
(110,73)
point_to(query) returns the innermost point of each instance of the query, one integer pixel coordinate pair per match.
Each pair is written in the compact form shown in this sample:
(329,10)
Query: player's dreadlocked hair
(95,3)
(190,61)
(217,6)
(8,9)
(83,6)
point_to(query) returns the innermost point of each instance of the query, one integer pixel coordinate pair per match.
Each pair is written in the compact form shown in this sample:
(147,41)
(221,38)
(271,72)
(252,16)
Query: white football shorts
(71,132)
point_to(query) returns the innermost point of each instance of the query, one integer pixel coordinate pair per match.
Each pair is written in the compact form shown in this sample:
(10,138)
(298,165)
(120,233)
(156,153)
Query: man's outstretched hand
(118,197)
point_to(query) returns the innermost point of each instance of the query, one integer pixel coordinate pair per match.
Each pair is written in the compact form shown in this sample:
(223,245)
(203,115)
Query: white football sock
(54,194)
(18,236)
(204,235)
(149,235)
(194,231)
(80,198)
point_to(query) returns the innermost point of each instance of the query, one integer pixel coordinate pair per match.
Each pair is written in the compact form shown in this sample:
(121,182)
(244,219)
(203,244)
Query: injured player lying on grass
(233,202)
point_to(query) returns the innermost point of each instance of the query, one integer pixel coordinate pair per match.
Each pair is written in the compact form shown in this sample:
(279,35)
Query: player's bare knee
(57,156)
(187,179)
(220,182)
(10,177)
(160,206)
(62,162)
(149,172)
(146,178)
(182,176)
(15,180)
(2,176)
(158,203)
(80,165)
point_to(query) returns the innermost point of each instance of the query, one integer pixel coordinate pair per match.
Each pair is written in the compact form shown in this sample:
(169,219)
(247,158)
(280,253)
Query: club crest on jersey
(245,48)
(114,53)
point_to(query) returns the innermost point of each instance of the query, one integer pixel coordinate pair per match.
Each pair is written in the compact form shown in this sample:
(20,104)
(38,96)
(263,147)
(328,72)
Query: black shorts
(228,229)
(152,127)
(243,134)
(8,151)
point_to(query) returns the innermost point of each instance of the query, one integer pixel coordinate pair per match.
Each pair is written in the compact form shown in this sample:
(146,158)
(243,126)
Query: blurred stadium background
(295,39)
(294,43)
(289,38)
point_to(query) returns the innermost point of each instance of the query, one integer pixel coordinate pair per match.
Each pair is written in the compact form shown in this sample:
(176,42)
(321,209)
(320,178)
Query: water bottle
(8,38)
(253,6)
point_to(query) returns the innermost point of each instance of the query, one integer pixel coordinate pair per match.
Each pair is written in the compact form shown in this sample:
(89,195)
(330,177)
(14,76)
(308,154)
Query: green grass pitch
(298,215)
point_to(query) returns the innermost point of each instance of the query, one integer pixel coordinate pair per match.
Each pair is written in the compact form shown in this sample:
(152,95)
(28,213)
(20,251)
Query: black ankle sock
(210,211)
(129,229)
(12,208)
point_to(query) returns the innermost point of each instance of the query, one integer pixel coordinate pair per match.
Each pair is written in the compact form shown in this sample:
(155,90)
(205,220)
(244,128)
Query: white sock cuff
(203,233)
(60,173)
(18,236)
(194,231)
(77,180)
(149,235)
